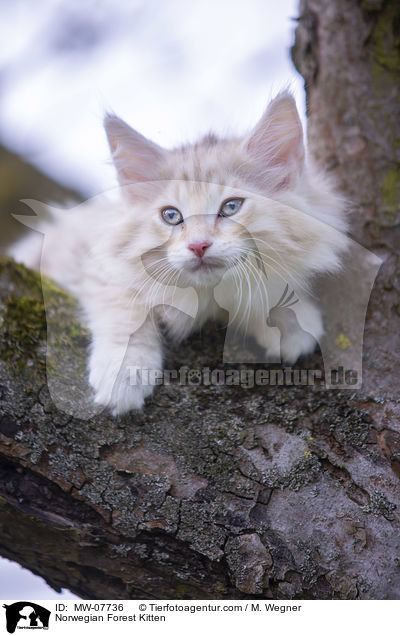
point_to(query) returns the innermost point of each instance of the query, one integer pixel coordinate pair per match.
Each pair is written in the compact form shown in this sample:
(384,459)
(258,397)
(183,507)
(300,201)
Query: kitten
(201,217)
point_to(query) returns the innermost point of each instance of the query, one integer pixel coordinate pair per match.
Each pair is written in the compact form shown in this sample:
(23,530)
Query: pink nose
(199,248)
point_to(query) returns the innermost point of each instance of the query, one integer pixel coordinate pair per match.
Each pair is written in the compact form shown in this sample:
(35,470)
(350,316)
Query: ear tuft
(276,142)
(135,157)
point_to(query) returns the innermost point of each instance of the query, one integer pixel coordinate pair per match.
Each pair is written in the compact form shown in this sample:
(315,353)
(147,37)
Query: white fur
(291,220)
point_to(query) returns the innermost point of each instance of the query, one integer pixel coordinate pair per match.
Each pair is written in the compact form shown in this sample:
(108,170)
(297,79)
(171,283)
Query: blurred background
(172,69)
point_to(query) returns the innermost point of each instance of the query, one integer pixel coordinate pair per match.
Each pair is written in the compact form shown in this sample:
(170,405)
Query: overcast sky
(173,69)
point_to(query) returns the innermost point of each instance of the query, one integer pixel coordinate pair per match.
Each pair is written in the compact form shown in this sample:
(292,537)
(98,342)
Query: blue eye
(172,216)
(230,207)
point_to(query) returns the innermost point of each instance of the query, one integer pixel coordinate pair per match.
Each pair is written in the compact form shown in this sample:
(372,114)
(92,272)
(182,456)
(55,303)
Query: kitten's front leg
(268,338)
(116,363)
(288,333)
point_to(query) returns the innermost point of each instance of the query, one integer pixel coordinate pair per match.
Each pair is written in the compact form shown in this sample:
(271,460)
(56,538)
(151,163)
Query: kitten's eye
(172,216)
(230,207)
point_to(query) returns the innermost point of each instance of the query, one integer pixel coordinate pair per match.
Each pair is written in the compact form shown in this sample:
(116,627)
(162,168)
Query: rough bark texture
(212,492)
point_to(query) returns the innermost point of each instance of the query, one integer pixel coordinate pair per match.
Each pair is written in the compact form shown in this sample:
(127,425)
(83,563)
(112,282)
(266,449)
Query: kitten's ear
(276,143)
(135,157)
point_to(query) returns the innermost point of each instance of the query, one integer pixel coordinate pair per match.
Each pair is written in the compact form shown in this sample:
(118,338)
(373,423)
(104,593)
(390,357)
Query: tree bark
(289,492)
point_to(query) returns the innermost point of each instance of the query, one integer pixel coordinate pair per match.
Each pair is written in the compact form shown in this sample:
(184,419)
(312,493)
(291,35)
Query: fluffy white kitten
(244,215)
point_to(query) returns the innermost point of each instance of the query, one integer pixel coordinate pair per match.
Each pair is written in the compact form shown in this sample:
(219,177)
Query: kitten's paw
(128,398)
(296,345)
(118,393)
(270,341)
(300,331)
(118,385)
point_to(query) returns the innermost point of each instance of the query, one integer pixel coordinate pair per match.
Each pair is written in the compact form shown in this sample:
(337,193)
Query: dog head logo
(26,615)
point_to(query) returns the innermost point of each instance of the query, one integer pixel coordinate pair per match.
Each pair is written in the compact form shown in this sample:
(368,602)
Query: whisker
(280,264)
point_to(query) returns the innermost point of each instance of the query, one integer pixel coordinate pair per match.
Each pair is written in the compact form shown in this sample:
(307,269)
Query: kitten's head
(201,209)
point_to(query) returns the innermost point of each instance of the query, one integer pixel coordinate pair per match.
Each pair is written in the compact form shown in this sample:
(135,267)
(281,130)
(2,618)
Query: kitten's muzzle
(199,247)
